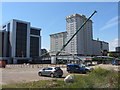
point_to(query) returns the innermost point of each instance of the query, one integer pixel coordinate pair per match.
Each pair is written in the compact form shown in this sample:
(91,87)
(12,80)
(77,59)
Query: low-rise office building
(21,42)
(99,47)
(115,53)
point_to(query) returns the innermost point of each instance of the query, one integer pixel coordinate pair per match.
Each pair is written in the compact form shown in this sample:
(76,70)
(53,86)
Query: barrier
(33,65)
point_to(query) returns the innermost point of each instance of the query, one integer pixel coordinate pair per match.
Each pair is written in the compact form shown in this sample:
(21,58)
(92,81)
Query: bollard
(37,66)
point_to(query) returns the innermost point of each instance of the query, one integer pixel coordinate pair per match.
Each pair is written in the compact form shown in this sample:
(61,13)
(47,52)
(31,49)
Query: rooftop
(75,15)
(58,33)
(100,41)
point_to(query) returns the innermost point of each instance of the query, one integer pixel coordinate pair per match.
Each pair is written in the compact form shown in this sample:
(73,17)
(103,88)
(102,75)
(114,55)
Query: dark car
(90,64)
(77,68)
(51,71)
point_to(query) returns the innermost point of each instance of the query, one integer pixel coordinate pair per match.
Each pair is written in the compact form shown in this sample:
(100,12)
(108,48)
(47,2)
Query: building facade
(99,47)
(117,49)
(18,41)
(1,41)
(82,44)
(115,53)
(57,41)
(35,42)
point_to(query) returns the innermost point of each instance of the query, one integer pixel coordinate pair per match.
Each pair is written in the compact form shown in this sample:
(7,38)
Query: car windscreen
(82,66)
(57,68)
(76,66)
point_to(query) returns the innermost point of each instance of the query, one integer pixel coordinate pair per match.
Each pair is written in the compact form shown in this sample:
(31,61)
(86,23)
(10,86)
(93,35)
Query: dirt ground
(13,74)
(19,75)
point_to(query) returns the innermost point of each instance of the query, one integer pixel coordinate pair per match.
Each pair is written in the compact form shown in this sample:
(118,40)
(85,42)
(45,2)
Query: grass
(99,78)
(35,84)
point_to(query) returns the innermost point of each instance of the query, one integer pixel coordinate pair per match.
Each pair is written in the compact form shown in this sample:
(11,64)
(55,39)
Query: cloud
(111,23)
(114,19)
(113,44)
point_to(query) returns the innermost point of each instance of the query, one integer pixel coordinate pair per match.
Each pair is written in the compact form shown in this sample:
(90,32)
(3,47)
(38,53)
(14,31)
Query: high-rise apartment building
(82,44)
(20,41)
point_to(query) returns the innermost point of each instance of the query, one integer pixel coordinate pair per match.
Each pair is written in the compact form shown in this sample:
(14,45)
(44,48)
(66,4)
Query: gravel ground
(20,75)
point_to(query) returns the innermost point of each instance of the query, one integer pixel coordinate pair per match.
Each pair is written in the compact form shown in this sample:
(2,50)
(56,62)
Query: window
(57,68)
(21,39)
(76,66)
(34,31)
(45,68)
(49,68)
(34,46)
(8,27)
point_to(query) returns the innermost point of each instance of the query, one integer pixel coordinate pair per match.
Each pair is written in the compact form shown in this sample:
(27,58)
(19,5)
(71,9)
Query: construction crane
(74,34)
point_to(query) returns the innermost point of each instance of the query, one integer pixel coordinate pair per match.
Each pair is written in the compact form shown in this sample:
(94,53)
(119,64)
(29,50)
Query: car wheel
(52,75)
(87,71)
(40,74)
(84,72)
(60,76)
(69,71)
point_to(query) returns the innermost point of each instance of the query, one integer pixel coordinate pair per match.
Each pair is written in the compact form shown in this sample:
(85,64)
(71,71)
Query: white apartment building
(57,41)
(82,44)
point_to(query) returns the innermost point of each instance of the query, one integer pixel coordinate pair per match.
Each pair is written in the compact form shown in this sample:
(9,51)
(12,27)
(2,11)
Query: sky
(50,17)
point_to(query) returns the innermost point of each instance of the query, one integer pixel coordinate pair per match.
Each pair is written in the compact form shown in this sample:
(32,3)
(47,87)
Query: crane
(74,34)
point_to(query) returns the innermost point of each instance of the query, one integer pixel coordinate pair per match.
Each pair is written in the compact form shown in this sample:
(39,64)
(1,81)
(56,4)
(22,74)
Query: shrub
(99,78)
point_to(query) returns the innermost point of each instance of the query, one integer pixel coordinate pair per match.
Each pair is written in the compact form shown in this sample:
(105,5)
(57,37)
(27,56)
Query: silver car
(51,71)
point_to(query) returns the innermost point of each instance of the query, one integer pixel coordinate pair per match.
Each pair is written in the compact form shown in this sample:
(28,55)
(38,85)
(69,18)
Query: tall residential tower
(82,42)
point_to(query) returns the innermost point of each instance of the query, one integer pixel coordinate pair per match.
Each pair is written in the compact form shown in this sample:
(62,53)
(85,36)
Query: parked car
(116,61)
(51,71)
(90,64)
(78,68)
(2,63)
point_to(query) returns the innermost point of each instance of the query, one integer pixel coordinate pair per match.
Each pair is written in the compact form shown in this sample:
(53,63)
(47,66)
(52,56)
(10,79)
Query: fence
(33,65)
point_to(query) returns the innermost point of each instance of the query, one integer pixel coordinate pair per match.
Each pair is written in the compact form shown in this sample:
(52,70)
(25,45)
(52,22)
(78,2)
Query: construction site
(15,71)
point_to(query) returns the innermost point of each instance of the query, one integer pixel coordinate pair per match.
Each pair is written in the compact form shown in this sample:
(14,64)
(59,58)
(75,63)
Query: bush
(99,78)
